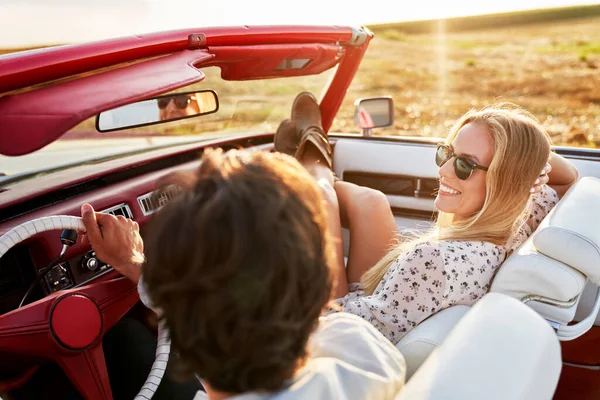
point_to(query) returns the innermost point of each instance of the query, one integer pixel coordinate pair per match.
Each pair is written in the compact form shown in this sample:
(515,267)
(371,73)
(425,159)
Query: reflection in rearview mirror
(374,112)
(158,110)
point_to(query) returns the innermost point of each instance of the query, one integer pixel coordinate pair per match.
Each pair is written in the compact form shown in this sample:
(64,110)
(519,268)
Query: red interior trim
(15,383)
(30,121)
(21,70)
(260,62)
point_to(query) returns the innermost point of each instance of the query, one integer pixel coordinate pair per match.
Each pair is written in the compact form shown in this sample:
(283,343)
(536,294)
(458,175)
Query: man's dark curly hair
(238,264)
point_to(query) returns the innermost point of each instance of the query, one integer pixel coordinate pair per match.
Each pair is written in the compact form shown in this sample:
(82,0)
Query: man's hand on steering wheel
(116,241)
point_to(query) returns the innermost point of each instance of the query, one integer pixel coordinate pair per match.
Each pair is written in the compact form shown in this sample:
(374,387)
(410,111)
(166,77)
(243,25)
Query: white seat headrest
(571,232)
(527,272)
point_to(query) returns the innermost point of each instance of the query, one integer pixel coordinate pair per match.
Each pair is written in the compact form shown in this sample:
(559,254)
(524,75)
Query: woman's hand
(116,241)
(563,176)
(542,180)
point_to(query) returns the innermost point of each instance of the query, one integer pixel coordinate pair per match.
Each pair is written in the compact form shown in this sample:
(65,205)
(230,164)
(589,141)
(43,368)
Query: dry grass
(550,69)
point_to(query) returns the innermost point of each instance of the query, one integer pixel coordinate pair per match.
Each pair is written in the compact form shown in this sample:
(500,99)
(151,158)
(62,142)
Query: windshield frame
(345,65)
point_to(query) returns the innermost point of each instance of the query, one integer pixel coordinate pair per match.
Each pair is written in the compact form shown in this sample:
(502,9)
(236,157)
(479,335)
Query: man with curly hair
(238,266)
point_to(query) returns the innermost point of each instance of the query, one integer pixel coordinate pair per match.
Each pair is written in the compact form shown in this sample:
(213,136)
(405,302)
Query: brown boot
(286,138)
(306,112)
(306,115)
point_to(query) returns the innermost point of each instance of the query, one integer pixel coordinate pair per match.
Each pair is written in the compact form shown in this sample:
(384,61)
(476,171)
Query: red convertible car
(100,123)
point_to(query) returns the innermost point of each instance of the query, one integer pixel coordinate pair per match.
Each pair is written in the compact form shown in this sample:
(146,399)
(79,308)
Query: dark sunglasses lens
(462,168)
(182,102)
(163,102)
(441,156)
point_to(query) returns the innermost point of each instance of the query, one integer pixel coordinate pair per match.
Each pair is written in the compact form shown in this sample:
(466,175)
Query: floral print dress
(435,275)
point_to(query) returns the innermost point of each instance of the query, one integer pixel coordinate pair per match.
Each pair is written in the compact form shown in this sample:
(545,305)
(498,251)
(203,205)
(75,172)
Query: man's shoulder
(339,332)
(344,319)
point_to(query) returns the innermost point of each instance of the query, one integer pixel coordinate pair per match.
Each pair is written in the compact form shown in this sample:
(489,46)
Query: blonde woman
(491,198)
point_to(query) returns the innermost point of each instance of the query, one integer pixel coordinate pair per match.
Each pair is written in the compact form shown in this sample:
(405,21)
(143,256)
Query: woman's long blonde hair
(521,150)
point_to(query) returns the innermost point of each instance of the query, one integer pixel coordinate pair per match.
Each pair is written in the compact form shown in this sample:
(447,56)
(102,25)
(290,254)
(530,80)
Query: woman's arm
(562,175)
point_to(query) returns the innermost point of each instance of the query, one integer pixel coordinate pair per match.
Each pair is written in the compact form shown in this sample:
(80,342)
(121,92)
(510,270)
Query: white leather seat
(548,273)
(419,343)
(500,350)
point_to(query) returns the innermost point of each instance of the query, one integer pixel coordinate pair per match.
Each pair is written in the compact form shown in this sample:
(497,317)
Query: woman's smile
(447,190)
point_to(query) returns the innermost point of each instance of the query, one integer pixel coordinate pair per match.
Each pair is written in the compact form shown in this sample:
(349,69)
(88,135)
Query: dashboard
(130,192)
(19,267)
(82,269)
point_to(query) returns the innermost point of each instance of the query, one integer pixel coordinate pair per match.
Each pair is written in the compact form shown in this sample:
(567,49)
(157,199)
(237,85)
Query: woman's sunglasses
(463,167)
(181,101)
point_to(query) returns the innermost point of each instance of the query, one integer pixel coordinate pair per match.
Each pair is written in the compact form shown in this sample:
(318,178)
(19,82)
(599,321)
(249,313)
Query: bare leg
(313,162)
(366,212)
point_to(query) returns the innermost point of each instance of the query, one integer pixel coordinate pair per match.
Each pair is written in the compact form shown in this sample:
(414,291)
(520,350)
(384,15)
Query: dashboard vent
(120,209)
(153,201)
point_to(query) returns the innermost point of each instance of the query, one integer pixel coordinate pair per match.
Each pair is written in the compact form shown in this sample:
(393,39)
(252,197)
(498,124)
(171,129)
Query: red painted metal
(47,113)
(332,100)
(31,68)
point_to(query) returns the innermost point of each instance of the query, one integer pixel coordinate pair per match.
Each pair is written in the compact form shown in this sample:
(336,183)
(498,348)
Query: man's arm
(116,241)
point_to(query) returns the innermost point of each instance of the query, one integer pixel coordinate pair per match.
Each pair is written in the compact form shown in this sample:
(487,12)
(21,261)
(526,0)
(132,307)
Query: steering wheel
(67,326)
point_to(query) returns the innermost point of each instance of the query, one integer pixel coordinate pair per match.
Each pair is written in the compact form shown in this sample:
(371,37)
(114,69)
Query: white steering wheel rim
(27,229)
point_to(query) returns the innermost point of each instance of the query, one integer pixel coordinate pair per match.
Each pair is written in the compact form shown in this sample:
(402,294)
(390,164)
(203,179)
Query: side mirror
(171,107)
(373,112)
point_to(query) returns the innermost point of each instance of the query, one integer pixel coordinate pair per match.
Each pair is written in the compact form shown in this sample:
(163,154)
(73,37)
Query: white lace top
(435,275)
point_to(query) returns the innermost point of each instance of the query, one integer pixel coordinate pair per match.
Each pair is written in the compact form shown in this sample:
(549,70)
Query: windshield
(244,107)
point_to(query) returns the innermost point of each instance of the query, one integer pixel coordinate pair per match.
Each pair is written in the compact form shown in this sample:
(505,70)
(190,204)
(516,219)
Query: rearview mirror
(171,107)
(373,112)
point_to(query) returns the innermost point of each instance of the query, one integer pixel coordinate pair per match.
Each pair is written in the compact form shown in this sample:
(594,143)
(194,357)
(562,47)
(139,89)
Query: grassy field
(551,69)
(546,61)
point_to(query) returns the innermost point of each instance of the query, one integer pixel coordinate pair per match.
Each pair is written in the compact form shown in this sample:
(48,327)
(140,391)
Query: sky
(39,22)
